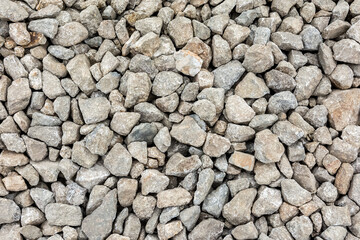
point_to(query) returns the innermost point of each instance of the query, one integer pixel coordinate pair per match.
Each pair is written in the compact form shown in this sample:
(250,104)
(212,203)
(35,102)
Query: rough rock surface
(179,119)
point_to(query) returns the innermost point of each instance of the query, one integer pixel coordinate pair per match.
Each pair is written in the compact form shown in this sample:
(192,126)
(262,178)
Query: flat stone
(50,135)
(242,160)
(60,214)
(173,197)
(207,229)
(71,34)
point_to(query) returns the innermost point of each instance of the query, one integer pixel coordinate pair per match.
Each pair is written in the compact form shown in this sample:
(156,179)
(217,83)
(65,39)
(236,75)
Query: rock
(267,147)
(99,140)
(347,50)
(79,70)
(126,191)
(13,142)
(215,201)
(70,34)
(94,109)
(353,32)
(147,44)
(41,197)
(138,89)
(60,214)
(336,216)
(251,86)
(238,210)
(88,178)
(227,75)
(106,213)
(142,132)
(335,29)
(82,156)
(242,160)
(152,181)
(300,227)
(47,26)
(50,135)
(268,202)
(13,11)
(180,30)
(11,159)
(11,211)
(282,102)
(287,132)
(118,160)
(205,180)
(207,229)
(221,51)
(215,145)
(245,231)
(19,33)
(18,95)
(188,132)
(311,37)
(173,197)
(237,110)
(327,192)
(266,173)
(236,34)
(123,122)
(326,59)
(293,193)
(343,108)
(342,76)
(258,59)
(353,193)
(343,178)
(178,165)
(282,8)
(166,82)
(307,80)
(188,62)
(169,230)
(287,41)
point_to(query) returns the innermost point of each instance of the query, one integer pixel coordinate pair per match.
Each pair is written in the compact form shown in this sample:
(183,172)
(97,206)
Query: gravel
(157,120)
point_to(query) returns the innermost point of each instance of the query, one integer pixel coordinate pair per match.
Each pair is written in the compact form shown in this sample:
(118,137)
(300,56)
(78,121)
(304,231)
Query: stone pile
(179,119)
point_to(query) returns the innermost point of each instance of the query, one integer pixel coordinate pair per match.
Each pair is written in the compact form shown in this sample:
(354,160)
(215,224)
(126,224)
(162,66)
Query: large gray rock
(99,223)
